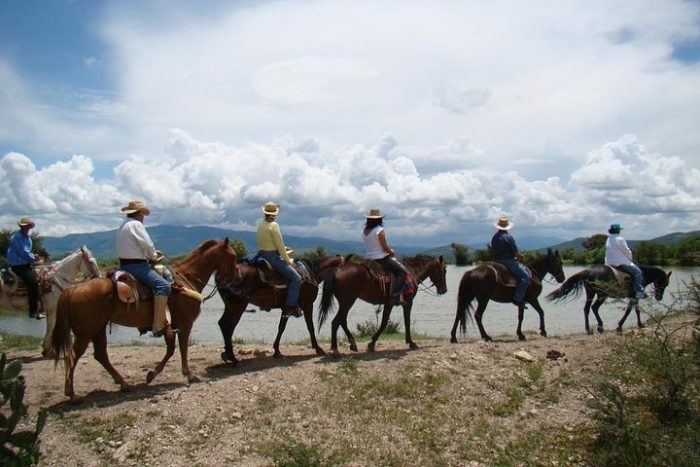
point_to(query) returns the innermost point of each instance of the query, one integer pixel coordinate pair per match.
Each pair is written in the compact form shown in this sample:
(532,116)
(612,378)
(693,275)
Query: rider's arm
(384,244)
(140,235)
(276,235)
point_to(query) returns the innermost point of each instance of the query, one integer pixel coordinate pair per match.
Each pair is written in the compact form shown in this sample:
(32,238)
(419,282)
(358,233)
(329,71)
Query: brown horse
(482,283)
(247,287)
(357,280)
(88,308)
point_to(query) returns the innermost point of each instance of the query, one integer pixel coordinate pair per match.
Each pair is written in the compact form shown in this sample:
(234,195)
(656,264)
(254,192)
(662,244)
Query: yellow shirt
(269,237)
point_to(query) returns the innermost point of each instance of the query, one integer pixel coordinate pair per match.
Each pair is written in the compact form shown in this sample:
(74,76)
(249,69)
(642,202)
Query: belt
(131,261)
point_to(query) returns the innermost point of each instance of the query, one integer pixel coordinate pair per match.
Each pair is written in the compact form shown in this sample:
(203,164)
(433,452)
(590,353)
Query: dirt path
(431,406)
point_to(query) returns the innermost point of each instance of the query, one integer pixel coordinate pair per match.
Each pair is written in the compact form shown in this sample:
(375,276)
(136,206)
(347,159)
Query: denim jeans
(390,263)
(636,274)
(27,274)
(518,270)
(146,274)
(286,269)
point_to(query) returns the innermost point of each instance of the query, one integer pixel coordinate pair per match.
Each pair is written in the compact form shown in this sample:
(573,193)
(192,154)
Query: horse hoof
(522,338)
(320,352)
(600,330)
(370,347)
(194,379)
(336,353)
(488,339)
(453,340)
(150,376)
(126,388)
(353,347)
(413,346)
(543,334)
(277,354)
(619,331)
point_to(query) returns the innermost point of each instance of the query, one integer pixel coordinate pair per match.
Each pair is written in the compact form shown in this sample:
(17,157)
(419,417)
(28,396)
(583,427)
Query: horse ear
(549,252)
(669,274)
(556,252)
(226,241)
(441,260)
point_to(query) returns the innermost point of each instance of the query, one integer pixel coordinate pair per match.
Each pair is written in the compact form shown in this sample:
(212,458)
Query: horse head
(555,266)
(90,262)
(430,267)
(660,284)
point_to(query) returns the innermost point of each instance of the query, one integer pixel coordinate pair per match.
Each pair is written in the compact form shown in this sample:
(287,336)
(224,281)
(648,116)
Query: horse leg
(169,351)
(519,331)
(628,310)
(453,333)
(348,334)
(586,312)
(99,342)
(227,323)
(280,330)
(536,304)
(341,318)
(477,315)
(407,323)
(596,306)
(386,313)
(79,348)
(183,340)
(309,318)
(50,301)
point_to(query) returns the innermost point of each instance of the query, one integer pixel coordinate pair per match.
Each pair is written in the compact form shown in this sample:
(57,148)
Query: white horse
(77,267)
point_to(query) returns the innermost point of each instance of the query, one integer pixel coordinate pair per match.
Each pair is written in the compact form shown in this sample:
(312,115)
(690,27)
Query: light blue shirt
(19,250)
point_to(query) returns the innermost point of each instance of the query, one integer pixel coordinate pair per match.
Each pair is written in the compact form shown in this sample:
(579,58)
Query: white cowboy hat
(270,209)
(136,206)
(504,224)
(374,214)
(25,221)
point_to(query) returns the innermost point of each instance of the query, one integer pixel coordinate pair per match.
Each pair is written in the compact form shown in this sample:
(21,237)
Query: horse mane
(197,252)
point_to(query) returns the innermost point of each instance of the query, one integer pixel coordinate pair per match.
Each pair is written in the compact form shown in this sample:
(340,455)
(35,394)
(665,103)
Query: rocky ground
(470,403)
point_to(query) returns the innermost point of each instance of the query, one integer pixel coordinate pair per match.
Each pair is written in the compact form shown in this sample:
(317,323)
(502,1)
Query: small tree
(461,253)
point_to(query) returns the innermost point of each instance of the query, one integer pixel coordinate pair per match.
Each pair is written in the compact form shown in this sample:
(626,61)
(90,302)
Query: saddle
(504,277)
(11,284)
(622,279)
(269,276)
(130,290)
(385,278)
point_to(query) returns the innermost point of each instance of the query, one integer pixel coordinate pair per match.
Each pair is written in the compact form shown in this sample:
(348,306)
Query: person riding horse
(21,260)
(619,255)
(505,251)
(377,248)
(271,247)
(136,251)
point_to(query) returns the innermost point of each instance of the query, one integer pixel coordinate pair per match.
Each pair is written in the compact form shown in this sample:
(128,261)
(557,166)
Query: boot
(161,317)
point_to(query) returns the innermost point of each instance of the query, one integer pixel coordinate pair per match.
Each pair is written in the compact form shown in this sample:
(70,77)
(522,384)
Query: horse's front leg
(99,342)
(227,324)
(521,314)
(169,351)
(630,304)
(280,330)
(309,318)
(640,325)
(407,324)
(536,304)
(386,313)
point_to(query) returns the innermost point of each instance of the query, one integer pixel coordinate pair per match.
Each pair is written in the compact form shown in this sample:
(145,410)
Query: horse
(77,267)
(87,309)
(351,281)
(248,287)
(600,282)
(483,283)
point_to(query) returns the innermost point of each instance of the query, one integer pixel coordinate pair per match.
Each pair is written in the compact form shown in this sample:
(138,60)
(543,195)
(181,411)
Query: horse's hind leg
(628,310)
(99,342)
(453,333)
(79,348)
(280,330)
(407,323)
(227,324)
(309,318)
(386,313)
(477,315)
(596,307)
(169,351)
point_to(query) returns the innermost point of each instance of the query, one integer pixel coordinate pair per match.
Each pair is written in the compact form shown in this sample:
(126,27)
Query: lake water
(432,315)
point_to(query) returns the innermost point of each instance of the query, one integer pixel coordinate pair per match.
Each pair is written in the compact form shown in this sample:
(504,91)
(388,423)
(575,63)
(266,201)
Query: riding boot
(161,317)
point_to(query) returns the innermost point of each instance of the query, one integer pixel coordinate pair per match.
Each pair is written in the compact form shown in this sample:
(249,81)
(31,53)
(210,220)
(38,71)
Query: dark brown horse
(600,282)
(88,308)
(247,287)
(482,283)
(351,281)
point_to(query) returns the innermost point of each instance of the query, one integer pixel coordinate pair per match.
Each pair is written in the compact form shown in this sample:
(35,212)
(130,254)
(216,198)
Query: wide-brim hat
(374,214)
(504,224)
(25,221)
(270,209)
(615,227)
(136,206)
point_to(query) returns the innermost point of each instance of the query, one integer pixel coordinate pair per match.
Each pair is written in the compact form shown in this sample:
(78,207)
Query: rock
(524,356)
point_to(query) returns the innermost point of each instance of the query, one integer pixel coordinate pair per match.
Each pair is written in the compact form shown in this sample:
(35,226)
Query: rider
(618,254)
(505,251)
(377,248)
(21,260)
(135,250)
(271,247)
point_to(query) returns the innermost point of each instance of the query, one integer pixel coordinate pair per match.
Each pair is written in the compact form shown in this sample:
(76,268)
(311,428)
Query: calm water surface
(432,315)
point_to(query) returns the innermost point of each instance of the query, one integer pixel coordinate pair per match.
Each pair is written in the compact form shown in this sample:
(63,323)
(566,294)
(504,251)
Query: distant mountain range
(178,240)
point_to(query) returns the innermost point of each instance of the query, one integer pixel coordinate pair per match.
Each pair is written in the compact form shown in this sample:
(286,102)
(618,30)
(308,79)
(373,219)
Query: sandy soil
(391,407)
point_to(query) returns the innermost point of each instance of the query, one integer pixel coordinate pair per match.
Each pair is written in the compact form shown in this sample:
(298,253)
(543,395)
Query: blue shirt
(503,246)
(19,250)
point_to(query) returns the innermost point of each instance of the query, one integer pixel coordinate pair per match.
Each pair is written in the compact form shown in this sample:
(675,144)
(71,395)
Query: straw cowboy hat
(270,209)
(136,206)
(504,224)
(25,221)
(374,214)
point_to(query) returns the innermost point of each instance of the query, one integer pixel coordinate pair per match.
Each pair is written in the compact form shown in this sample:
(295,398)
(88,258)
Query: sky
(446,114)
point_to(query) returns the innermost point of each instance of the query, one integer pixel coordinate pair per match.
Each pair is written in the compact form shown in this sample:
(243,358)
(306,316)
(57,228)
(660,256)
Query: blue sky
(565,116)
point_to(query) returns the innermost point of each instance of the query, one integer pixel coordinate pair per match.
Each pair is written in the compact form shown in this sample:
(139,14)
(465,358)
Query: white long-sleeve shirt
(133,242)
(617,252)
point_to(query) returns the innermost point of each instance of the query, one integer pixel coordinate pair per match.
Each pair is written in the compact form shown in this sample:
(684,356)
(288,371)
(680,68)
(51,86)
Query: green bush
(369,328)
(16,448)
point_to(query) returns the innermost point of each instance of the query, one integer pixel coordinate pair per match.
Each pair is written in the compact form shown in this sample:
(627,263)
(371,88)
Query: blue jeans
(392,264)
(516,268)
(146,274)
(286,269)
(636,274)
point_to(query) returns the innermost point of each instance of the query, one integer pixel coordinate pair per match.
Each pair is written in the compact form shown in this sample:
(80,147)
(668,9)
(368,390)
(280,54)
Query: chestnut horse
(356,280)
(78,266)
(88,308)
(600,283)
(247,287)
(482,283)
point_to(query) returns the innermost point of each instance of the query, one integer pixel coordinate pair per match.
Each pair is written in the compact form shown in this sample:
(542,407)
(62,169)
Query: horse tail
(464,304)
(572,286)
(327,296)
(61,339)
